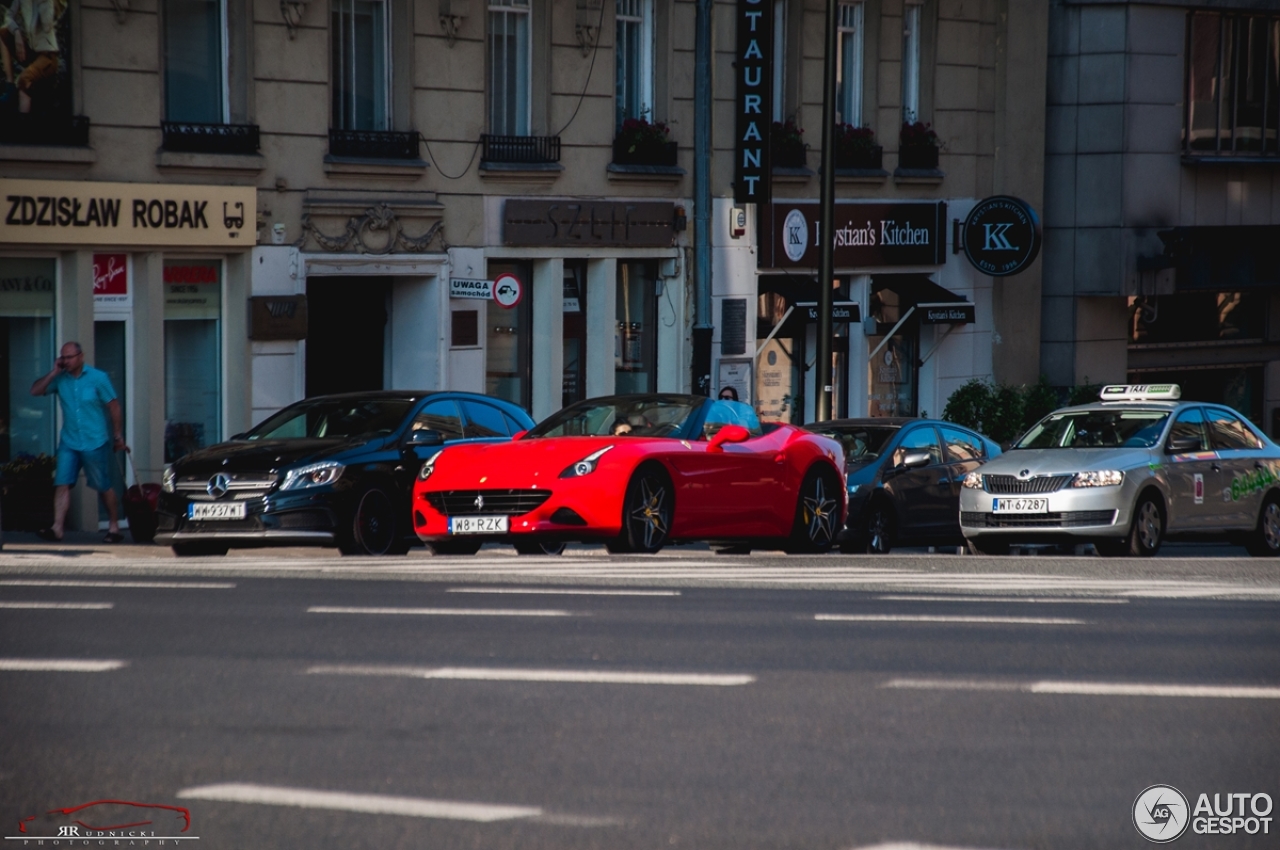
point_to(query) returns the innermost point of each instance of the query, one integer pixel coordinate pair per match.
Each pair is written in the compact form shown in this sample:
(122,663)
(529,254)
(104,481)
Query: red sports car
(637,472)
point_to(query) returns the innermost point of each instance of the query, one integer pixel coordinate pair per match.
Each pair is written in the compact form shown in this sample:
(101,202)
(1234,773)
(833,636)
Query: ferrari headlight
(312,475)
(1099,478)
(973,480)
(586,466)
(428,467)
(168,479)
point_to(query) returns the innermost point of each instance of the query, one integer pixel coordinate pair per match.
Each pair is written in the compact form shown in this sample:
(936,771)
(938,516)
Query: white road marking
(943,618)
(562,591)
(1074,600)
(59,606)
(442,612)
(375,804)
(1121,689)
(193,585)
(490,674)
(59,665)
(911,845)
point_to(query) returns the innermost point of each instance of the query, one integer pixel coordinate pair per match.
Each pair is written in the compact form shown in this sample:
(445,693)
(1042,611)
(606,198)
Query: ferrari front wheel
(817,512)
(647,510)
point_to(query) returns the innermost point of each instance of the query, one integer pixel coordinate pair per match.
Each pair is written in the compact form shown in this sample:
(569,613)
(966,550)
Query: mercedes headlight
(586,466)
(312,475)
(428,467)
(1099,478)
(168,480)
(973,480)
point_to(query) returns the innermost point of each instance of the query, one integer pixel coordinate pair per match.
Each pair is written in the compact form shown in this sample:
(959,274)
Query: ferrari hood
(522,462)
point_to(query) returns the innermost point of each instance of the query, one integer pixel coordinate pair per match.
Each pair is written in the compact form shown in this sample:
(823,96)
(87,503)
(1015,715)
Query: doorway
(346,334)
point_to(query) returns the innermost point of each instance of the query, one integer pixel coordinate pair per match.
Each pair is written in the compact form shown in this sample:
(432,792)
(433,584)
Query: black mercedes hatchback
(327,471)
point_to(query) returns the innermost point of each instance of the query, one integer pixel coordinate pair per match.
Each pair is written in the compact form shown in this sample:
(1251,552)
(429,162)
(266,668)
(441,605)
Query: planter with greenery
(786,145)
(1004,412)
(918,146)
(640,142)
(856,148)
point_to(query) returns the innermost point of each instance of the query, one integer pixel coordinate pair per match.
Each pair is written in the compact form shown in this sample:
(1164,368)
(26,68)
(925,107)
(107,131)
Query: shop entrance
(346,334)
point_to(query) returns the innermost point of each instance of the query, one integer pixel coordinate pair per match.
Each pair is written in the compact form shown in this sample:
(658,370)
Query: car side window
(513,424)
(442,416)
(918,440)
(962,446)
(483,420)
(1190,423)
(1229,432)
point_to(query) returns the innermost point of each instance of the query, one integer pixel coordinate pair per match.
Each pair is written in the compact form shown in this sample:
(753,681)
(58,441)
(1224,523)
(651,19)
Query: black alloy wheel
(456,547)
(817,512)
(877,528)
(196,550)
(1264,540)
(1145,534)
(540,547)
(373,526)
(646,513)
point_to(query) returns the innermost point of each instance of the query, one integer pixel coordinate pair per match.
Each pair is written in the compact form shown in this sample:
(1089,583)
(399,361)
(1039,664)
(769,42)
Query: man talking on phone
(88,401)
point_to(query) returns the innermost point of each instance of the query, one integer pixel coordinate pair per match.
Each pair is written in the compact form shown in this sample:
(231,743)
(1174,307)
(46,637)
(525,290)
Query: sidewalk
(82,543)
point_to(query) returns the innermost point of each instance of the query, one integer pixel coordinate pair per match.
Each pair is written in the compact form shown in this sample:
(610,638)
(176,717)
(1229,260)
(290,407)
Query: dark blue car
(904,479)
(327,471)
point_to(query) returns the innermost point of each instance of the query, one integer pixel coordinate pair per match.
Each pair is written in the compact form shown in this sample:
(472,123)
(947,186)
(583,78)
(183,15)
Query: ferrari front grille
(1008,484)
(463,502)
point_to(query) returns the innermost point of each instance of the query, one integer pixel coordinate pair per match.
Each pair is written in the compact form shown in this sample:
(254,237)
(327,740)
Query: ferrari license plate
(215,510)
(478,524)
(1019,506)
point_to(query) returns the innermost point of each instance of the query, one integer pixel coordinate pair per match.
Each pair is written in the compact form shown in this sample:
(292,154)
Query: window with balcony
(360,78)
(1233,85)
(510,67)
(849,66)
(634,76)
(912,20)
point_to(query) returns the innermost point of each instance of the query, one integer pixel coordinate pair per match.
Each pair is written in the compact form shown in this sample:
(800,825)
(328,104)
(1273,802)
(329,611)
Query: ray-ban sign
(1001,235)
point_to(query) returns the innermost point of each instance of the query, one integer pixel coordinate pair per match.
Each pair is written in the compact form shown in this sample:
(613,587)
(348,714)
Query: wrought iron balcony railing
(520,149)
(28,129)
(374,144)
(188,137)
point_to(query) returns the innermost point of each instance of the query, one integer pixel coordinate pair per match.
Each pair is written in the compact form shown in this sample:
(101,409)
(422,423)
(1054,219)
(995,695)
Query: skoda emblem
(479,501)
(218,485)
(1024,474)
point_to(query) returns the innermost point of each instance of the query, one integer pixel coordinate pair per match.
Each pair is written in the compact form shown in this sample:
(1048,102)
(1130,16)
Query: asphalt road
(689,700)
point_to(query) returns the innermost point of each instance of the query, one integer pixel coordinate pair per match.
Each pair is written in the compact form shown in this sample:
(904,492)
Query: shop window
(192,356)
(635,336)
(849,67)
(484,420)
(779,60)
(634,57)
(575,332)
(464,331)
(1233,84)
(195,76)
(1198,317)
(912,20)
(360,74)
(891,366)
(510,67)
(508,352)
(27,348)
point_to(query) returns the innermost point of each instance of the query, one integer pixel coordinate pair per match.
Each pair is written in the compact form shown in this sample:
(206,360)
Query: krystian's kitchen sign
(52,212)
(865,234)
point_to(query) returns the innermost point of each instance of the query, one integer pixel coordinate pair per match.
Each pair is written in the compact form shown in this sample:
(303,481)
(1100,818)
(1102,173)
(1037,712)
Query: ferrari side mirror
(729,434)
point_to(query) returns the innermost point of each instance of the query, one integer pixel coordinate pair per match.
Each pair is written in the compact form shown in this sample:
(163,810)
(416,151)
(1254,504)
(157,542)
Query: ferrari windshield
(624,416)
(861,445)
(1096,429)
(339,419)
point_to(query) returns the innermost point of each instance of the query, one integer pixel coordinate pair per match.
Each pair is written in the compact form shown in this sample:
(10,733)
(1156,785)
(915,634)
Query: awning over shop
(916,296)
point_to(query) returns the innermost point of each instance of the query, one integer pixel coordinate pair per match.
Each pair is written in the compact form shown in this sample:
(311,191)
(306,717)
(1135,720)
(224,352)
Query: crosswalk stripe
(1043,600)
(377,804)
(487,674)
(59,665)
(185,585)
(58,606)
(561,591)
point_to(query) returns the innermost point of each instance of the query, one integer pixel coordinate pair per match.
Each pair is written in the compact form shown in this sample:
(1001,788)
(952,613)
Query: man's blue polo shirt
(84,408)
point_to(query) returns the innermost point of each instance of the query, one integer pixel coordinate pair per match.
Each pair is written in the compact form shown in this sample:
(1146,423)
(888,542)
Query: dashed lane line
(183,585)
(561,591)
(58,606)
(441,612)
(490,674)
(59,665)
(376,804)
(945,618)
(1042,600)
(1120,689)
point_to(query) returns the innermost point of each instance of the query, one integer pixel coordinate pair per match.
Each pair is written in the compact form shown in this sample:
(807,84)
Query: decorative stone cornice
(377,229)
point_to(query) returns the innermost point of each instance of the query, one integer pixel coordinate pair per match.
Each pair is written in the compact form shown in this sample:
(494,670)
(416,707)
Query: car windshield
(624,416)
(1096,429)
(861,445)
(339,419)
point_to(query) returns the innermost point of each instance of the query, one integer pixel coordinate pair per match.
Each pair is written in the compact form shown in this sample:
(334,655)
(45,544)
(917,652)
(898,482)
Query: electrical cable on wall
(595,50)
(440,170)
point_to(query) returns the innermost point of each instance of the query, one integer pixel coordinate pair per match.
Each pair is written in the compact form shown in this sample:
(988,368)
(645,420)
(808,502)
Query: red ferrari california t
(637,472)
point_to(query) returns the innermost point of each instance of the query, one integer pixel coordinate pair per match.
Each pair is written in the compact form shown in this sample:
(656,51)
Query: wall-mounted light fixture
(452,13)
(292,12)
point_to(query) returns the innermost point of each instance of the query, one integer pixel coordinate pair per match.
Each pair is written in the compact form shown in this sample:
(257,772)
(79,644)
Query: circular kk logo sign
(1161,813)
(1002,235)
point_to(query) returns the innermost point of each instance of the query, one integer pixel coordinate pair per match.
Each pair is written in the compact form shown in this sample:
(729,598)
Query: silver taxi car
(1126,473)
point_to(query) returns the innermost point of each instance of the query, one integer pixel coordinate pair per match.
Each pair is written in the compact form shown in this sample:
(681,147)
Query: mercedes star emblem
(218,485)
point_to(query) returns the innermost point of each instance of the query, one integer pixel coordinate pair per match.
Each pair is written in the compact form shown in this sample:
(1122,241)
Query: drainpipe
(702,326)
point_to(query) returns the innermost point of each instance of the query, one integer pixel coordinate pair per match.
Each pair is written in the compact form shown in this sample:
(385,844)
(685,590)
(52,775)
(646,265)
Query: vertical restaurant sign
(865,234)
(111,279)
(753,69)
(91,213)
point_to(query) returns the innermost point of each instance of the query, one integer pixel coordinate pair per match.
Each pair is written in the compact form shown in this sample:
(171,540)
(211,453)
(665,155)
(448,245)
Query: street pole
(826,223)
(700,379)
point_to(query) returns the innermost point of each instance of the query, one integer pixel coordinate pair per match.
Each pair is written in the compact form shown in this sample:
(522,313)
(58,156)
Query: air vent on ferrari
(463,502)
(567,516)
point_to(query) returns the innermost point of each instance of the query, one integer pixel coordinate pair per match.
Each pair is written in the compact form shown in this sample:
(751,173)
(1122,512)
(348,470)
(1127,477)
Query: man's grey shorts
(96,462)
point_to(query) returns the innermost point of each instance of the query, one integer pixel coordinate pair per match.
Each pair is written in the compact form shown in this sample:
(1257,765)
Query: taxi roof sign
(1141,392)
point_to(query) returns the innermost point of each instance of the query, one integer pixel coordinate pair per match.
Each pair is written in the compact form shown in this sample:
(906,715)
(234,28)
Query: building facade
(1162,199)
(234,205)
